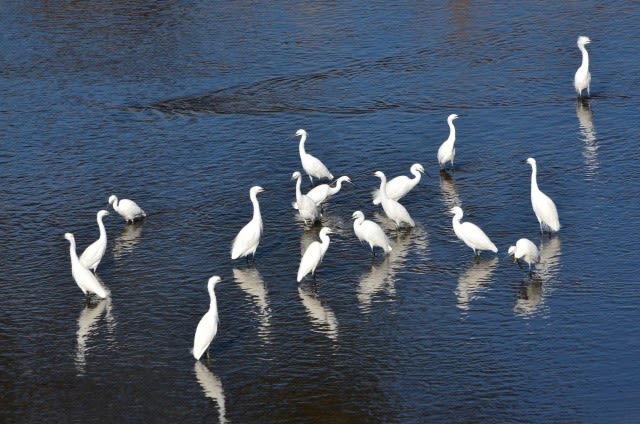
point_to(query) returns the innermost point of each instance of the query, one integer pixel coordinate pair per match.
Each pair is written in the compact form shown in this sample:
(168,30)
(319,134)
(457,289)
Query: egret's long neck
(213,305)
(585,57)
(256,208)
(383,188)
(298,191)
(337,188)
(72,250)
(103,232)
(325,243)
(534,181)
(301,145)
(452,132)
(456,221)
(416,175)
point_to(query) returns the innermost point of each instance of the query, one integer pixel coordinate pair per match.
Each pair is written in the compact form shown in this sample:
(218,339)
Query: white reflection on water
(127,240)
(474,280)
(322,317)
(449,191)
(251,282)
(212,387)
(382,275)
(87,326)
(588,133)
(532,294)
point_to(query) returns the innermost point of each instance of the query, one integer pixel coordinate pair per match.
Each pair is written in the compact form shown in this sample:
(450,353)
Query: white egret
(447,150)
(525,250)
(394,210)
(93,254)
(582,79)
(208,325)
(247,240)
(83,277)
(370,232)
(128,209)
(542,204)
(311,164)
(306,206)
(399,186)
(471,234)
(321,193)
(314,254)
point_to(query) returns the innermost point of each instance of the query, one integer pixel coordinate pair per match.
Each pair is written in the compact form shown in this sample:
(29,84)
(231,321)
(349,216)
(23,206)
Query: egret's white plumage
(83,277)
(313,255)
(208,325)
(370,232)
(542,204)
(93,254)
(311,164)
(447,150)
(471,234)
(394,210)
(525,250)
(306,206)
(128,209)
(322,192)
(247,240)
(399,186)
(582,79)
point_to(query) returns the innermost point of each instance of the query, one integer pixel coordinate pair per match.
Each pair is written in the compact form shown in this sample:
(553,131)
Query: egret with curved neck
(323,192)
(370,232)
(83,277)
(311,164)
(399,186)
(582,79)
(543,206)
(247,240)
(93,254)
(471,234)
(393,209)
(314,254)
(128,209)
(525,250)
(208,325)
(447,150)
(306,206)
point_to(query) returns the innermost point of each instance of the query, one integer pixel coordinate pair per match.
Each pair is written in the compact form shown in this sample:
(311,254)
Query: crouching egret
(471,234)
(543,206)
(582,78)
(311,164)
(306,206)
(447,150)
(321,193)
(83,277)
(128,209)
(93,254)
(525,250)
(370,232)
(208,325)
(247,240)
(314,254)
(394,210)
(399,186)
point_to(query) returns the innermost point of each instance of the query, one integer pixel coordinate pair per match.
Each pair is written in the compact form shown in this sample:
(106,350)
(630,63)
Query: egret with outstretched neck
(311,164)
(582,79)
(323,192)
(314,254)
(393,209)
(471,234)
(93,254)
(247,240)
(447,150)
(399,186)
(128,209)
(83,277)
(208,325)
(543,206)
(370,232)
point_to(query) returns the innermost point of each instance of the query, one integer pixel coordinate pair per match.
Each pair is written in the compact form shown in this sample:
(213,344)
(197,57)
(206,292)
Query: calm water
(183,106)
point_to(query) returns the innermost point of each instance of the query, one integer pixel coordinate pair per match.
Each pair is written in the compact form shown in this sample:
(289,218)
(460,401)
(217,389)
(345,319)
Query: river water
(183,106)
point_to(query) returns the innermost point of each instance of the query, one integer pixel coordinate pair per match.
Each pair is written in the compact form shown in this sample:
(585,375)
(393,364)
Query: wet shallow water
(184,106)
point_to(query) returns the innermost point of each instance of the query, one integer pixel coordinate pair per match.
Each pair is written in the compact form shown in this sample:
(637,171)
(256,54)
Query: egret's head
(379,174)
(417,167)
(112,199)
(301,133)
(102,213)
(452,117)
(357,215)
(582,40)
(255,190)
(69,236)
(456,210)
(296,175)
(213,281)
(512,250)
(531,161)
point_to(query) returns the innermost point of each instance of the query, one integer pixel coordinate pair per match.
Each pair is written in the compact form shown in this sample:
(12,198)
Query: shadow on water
(251,282)
(588,134)
(475,280)
(88,326)
(212,388)
(127,240)
(322,317)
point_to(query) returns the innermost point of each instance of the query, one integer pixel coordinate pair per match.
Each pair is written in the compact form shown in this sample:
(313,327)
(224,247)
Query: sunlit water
(183,106)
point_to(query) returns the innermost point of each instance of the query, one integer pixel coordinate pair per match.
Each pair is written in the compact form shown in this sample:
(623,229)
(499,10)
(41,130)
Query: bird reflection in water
(322,318)
(532,293)
(127,240)
(381,276)
(588,133)
(474,280)
(88,326)
(212,387)
(251,282)
(449,190)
